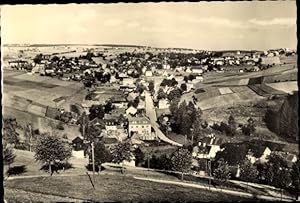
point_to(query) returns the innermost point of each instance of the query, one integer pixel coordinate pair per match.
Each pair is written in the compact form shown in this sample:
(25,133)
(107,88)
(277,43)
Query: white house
(166,66)
(205,151)
(128,81)
(141,126)
(131,111)
(197,70)
(259,154)
(148,73)
(200,78)
(188,70)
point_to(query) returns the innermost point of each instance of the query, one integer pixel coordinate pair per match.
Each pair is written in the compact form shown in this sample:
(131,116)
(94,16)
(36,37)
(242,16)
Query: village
(119,122)
(129,95)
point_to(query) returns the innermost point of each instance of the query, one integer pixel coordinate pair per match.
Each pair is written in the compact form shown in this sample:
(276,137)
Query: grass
(115,188)
(16,195)
(26,165)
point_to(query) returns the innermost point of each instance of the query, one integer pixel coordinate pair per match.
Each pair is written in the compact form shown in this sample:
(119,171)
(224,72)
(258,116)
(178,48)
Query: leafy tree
(136,102)
(183,87)
(10,134)
(102,155)
(50,149)
(185,78)
(161,94)
(295,173)
(175,93)
(65,117)
(38,58)
(139,156)
(249,129)
(232,126)
(222,172)
(197,129)
(93,132)
(288,117)
(30,136)
(54,59)
(191,77)
(277,172)
(230,155)
(192,111)
(282,179)
(121,152)
(75,108)
(8,155)
(174,105)
(178,118)
(140,88)
(96,111)
(181,160)
(83,121)
(249,172)
(108,106)
(151,86)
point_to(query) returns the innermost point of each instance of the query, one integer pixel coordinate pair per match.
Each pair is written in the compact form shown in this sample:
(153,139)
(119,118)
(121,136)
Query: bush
(60,126)
(89,167)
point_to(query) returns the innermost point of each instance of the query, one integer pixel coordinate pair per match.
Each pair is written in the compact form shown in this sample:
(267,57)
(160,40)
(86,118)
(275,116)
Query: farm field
(287,87)
(43,90)
(211,101)
(44,124)
(115,188)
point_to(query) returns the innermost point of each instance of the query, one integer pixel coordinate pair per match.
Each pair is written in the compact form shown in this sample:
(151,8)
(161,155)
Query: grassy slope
(115,188)
(26,158)
(15,195)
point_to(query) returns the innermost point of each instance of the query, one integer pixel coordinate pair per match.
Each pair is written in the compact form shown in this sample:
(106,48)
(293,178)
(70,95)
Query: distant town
(224,119)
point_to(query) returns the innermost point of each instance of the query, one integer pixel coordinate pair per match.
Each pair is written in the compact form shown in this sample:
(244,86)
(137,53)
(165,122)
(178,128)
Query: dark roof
(257,150)
(77,140)
(97,120)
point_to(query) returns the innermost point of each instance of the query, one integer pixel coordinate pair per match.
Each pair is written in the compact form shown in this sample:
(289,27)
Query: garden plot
(45,98)
(225,90)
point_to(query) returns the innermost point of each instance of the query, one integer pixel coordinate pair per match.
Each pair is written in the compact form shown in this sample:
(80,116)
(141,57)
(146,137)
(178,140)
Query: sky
(206,25)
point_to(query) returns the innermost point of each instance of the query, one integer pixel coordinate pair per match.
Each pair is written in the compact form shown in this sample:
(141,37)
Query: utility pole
(93,160)
(209,168)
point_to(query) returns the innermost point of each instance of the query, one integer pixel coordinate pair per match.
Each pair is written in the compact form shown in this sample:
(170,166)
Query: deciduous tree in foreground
(50,149)
(181,160)
(222,172)
(121,152)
